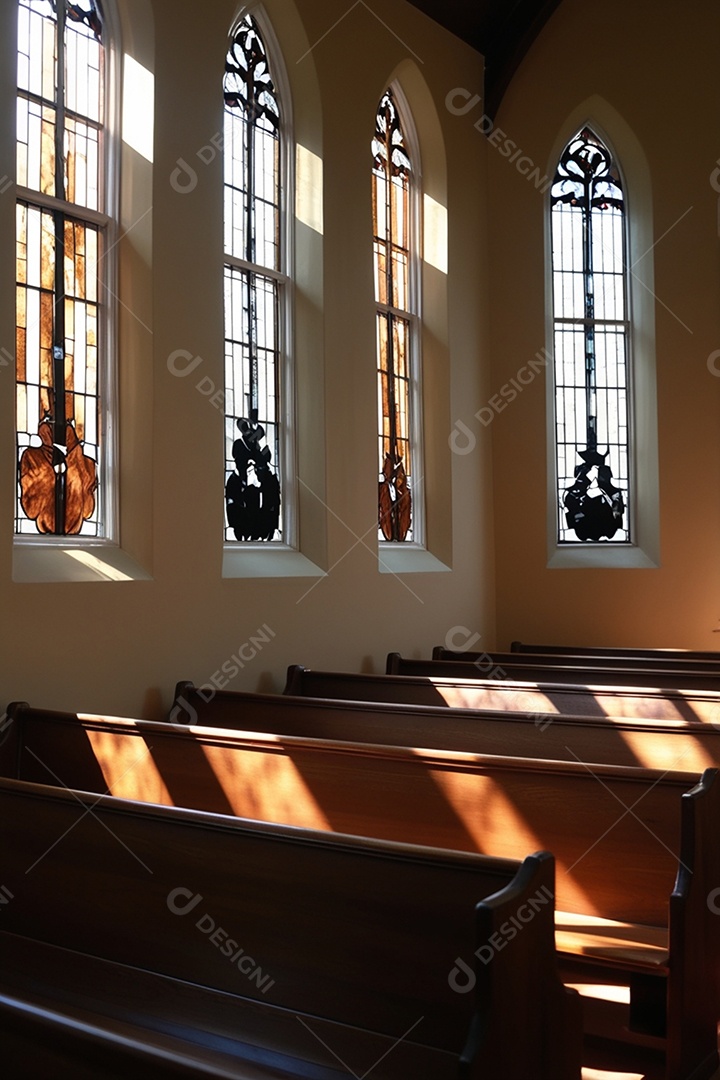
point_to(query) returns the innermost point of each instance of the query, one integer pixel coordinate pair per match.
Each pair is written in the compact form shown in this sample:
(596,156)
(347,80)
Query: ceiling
(502,30)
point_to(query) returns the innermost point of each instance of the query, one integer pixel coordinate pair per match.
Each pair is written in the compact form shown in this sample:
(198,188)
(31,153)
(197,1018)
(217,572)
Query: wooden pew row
(671,672)
(630,653)
(680,666)
(636,849)
(197,706)
(660,744)
(264,951)
(525,669)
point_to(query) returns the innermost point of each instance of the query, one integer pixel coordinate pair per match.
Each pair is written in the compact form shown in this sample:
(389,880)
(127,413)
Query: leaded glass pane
(60,87)
(591,344)
(391,195)
(253,299)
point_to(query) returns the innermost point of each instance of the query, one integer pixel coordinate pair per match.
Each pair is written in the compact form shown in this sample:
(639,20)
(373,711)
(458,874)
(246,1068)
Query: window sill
(258,561)
(602,556)
(407,559)
(67,560)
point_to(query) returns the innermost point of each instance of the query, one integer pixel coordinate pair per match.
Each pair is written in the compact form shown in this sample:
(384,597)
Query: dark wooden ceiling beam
(502,30)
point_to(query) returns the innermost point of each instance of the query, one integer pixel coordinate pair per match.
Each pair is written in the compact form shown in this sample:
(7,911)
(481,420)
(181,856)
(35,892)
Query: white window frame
(242,557)
(414,316)
(49,558)
(643,550)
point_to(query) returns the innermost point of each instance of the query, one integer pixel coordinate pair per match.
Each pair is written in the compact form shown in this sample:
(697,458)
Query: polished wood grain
(632,845)
(122,914)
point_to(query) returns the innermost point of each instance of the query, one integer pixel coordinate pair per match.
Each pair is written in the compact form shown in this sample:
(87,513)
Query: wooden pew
(377,714)
(636,849)
(528,669)
(194,705)
(669,671)
(703,655)
(632,659)
(259,951)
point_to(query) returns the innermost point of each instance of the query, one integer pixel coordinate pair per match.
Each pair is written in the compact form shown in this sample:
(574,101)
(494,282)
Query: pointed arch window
(591,334)
(255,292)
(62,362)
(394,206)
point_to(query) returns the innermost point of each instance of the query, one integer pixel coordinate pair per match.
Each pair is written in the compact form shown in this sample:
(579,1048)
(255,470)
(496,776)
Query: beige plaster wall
(120,646)
(655,67)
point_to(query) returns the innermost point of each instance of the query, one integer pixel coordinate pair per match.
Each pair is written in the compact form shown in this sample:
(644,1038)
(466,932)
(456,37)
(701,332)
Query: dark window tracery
(254,286)
(590,343)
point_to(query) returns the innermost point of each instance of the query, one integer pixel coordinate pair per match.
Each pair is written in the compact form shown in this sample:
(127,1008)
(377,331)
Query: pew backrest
(664,655)
(285,924)
(580,671)
(466,693)
(679,666)
(448,799)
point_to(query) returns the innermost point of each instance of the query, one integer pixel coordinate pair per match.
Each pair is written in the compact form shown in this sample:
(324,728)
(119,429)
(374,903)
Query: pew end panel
(11,737)
(671,971)
(181,710)
(293,681)
(501,923)
(694,927)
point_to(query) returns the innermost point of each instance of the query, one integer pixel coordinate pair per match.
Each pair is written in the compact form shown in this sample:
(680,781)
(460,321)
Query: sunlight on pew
(269,787)
(705,710)
(655,751)
(530,697)
(118,757)
(634,706)
(604,1074)
(609,992)
(497,819)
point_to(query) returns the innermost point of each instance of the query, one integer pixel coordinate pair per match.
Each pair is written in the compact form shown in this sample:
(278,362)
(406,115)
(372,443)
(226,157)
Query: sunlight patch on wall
(435,234)
(309,188)
(138,109)
(102,569)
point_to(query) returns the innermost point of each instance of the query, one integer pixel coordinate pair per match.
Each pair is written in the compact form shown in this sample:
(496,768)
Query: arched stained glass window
(61,337)
(393,202)
(255,291)
(591,344)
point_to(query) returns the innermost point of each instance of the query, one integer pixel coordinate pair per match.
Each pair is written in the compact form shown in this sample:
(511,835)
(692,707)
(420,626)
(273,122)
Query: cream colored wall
(657,67)
(120,646)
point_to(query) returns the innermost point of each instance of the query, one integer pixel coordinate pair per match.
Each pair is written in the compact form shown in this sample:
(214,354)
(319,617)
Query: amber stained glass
(391,193)
(60,89)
